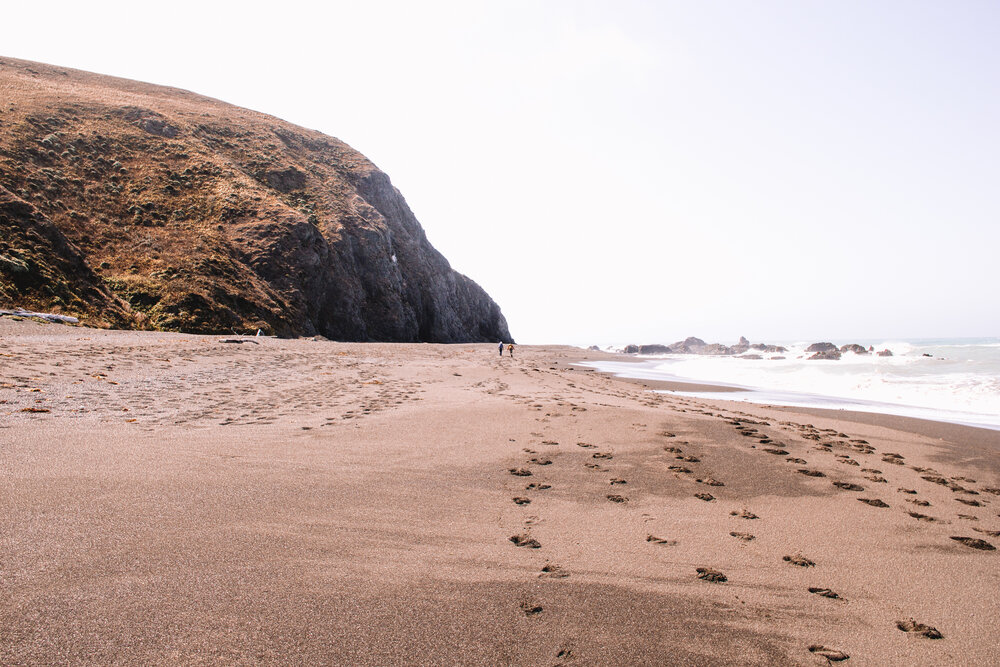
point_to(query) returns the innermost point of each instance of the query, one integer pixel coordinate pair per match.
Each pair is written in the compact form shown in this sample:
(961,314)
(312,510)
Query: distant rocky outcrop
(139,206)
(692,345)
(816,351)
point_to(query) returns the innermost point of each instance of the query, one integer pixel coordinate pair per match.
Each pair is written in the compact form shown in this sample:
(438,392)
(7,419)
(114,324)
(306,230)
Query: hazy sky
(631,171)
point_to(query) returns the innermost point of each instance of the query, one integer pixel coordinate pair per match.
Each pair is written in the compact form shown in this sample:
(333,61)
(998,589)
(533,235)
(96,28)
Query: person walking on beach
(501,348)
(510,351)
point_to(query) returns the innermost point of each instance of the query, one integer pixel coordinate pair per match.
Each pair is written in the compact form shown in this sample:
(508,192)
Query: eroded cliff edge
(141,206)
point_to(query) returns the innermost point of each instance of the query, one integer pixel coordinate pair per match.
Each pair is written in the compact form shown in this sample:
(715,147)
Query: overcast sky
(631,171)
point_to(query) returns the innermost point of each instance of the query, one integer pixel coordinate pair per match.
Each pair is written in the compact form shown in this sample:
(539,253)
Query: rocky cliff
(140,206)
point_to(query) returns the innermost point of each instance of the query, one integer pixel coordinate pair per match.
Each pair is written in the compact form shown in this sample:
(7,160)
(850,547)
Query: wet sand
(179,499)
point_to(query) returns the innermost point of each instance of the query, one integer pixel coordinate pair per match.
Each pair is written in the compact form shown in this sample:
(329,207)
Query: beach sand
(178,499)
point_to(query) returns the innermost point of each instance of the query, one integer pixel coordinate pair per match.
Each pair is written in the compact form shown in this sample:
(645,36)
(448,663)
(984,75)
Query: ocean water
(953,380)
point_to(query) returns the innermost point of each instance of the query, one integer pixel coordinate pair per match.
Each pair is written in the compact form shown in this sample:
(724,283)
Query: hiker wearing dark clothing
(501,348)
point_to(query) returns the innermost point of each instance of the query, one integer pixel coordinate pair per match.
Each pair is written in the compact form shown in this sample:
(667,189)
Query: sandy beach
(181,499)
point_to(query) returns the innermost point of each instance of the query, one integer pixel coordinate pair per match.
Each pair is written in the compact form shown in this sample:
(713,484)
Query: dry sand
(182,500)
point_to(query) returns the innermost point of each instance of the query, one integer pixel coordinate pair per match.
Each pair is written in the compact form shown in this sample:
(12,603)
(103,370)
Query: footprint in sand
(847,486)
(708,574)
(707,497)
(974,543)
(530,608)
(909,491)
(918,502)
(616,480)
(832,655)
(615,498)
(920,629)
(672,449)
(776,452)
(812,473)
(793,459)
(966,501)
(679,469)
(825,592)
(991,533)
(688,459)
(922,517)
(710,481)
(520,472)
(744,514)
(564,654)
(602,455)
(746,537)
(874,502)
(518,500)
(798,559)
(586,445)
(540,461)
(525,541)
(594,466)
(552,571)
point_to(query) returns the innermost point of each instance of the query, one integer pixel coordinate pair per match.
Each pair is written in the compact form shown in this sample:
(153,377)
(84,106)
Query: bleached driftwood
(51,317)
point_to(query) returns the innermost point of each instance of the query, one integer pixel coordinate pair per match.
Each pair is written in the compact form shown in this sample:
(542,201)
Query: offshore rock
(822,347)
(692,345)
(139,206)
(853,347)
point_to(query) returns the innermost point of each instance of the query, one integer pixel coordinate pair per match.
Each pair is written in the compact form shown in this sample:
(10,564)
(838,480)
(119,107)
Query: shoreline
(761,396)
(969,435)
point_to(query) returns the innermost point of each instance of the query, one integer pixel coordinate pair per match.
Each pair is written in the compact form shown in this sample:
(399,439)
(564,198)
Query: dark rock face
(285,180)
(39,267)
(831,355)
(821,347)
(853,347)
(152,207)
(654,349)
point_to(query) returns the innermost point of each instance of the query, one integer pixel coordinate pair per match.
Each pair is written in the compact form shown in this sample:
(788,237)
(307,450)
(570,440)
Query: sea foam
(947,380)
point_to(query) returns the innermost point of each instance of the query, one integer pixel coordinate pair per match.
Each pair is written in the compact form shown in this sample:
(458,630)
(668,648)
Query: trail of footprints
(150,383)
(839,449)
